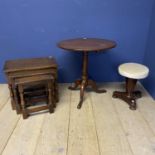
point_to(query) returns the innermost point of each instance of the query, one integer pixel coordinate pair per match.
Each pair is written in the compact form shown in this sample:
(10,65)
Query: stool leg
(50,98)
(25,115)
(129,96)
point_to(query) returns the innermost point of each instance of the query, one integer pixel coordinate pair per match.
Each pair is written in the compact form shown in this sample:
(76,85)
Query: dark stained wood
(32,72)
(16,100)
(31,79)
(29,64)
(86,45)
(27,68)
(39,108)
(47,81)
(23,106)
(129,96)
(13,100)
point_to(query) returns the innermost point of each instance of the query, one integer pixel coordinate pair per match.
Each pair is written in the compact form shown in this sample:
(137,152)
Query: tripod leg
(83,86)
(76,84)
(94,87)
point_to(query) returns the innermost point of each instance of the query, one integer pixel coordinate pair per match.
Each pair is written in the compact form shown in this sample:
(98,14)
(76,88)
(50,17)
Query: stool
(132,72)
(24,85)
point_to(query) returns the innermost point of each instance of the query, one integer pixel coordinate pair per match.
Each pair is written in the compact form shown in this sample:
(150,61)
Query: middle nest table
(86,45)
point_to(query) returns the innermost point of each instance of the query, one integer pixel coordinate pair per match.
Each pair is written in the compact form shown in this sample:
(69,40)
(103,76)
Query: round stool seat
(133,70)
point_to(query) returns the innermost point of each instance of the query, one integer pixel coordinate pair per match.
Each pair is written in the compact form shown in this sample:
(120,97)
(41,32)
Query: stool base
(130,100)
(129,96)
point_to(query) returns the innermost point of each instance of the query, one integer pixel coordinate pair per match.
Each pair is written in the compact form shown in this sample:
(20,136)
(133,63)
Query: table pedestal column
(85,82)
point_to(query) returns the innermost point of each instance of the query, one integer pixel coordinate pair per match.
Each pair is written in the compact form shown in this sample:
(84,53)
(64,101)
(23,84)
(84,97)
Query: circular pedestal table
(86,45)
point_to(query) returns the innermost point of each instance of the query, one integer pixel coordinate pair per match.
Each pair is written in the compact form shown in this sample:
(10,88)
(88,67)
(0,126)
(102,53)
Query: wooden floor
(104,126)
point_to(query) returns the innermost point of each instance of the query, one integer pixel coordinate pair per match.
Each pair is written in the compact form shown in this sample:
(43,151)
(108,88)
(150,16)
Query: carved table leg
(84,78)
(56,90)
(130,95)
(84,82)
(76,84)
(12,97)
(23,106)
(94,87)
(50,97)
(18,108)
(83,86)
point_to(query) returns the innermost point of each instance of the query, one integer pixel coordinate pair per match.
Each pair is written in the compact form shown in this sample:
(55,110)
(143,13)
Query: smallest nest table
(132,72)
(22,85)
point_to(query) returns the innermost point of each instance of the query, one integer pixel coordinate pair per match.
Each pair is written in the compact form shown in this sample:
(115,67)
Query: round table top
(86,44)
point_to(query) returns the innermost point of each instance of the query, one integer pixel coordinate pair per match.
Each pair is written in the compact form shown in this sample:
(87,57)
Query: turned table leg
(12,97)
(23,106)
(84,82)
(16,101)
(94,87)
(83,86)
(76,84)
(51,103)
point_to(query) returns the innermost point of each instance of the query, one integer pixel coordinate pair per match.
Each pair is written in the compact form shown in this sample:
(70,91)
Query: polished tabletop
(29,64)
(86,44)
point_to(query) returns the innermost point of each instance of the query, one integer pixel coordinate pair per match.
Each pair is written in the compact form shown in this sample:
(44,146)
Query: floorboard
(8,121)
(4,95)
(24,139)
(137,130)
(82,132)
(103,126)
(54,135)
(146,106)
(111,136)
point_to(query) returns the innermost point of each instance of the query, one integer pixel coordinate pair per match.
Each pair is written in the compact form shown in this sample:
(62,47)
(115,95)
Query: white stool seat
(133,70)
